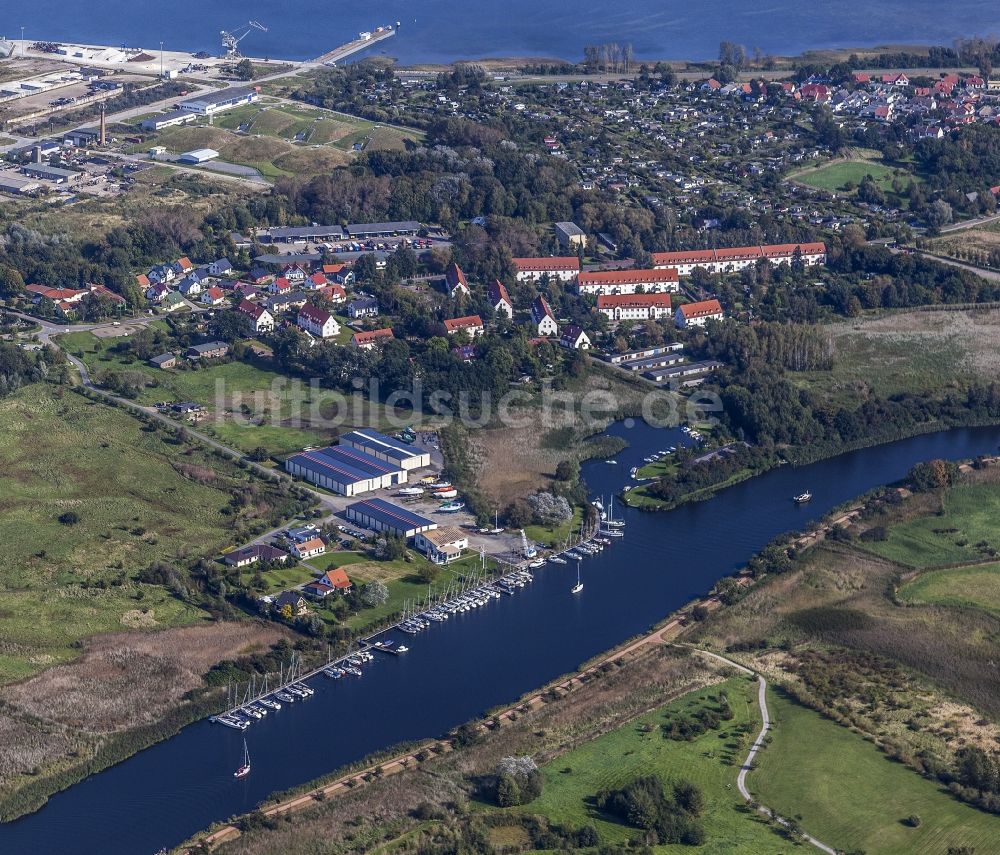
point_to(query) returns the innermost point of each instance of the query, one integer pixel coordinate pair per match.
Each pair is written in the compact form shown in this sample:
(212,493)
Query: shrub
(69,518)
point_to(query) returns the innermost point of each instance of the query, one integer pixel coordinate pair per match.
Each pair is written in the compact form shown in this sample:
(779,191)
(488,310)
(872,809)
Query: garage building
(380,515)
(199,155)
(344,470)
(386,448)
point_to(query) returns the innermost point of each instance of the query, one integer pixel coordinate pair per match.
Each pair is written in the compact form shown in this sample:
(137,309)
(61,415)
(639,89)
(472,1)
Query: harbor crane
(231,38)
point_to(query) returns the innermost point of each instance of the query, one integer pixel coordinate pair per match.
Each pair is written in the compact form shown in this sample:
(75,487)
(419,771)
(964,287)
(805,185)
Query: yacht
(244,770)
(579,585)
(802,498)
(557,559)
(451,507)
(411,491)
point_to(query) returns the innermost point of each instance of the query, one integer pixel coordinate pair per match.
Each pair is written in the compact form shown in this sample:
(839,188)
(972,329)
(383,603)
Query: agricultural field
(965,587)
(964,530)
(838,176)
(711,761)
(842,790)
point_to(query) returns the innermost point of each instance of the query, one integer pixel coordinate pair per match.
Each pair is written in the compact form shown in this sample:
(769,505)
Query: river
(458,669)
(443,30)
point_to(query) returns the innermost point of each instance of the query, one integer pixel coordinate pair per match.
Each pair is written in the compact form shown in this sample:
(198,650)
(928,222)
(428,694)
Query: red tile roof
(633,301)
(498,291)
(469,322)
(547,265)
(371,337)
(701,310)
(314,313)
(627,277)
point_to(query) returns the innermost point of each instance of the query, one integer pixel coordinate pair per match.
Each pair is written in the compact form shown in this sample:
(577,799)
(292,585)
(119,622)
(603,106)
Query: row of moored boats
(242,717)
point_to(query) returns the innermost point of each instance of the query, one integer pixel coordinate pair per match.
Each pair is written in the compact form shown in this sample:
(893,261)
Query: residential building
(471,324)
(627,281)
(734,259)
(387,448)
(220,267)
(634,307)
(574,338)
(570,236)
(500,299)
(371,338)
(366,307)
(380,515)
(565,268)
(172,301)
(542,317)
(698,314)
(309,548)
(331,582)
(214,296)
(252,554)
(455,282)
(285,302)
(260,318)
(318,322)
(442,545)
(336,294)
(293,600)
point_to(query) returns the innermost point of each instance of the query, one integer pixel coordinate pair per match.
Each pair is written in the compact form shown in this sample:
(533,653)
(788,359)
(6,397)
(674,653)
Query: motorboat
(451,507)
(802,498)
(410,491)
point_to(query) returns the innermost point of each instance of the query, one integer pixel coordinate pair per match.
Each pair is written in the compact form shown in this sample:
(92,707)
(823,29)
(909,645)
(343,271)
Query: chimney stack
(103,136)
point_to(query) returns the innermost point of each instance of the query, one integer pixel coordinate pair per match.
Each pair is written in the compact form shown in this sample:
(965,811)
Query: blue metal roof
(384,443)
(345,465)
(390,514)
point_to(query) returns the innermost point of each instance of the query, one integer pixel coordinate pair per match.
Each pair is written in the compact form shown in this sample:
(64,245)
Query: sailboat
(611,522)
(579,585)
(244,770)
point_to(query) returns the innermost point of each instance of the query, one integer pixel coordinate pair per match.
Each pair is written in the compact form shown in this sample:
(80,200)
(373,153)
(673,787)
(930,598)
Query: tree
(374,593)
(244,70)
(508,793)
(428,573)
(11,281)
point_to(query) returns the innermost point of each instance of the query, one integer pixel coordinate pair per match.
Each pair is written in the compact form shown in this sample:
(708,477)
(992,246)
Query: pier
(473,592)
(364,40)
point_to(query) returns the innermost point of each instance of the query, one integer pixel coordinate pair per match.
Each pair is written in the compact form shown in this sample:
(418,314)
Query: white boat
(270,702)
(538,562)
(439,485)
(557,559)
(612,532)
(802,498)
(633,472)
(611,462)
(451,507)
(402,648)
(446,493)
(411,491)
(244,770)
(579,585)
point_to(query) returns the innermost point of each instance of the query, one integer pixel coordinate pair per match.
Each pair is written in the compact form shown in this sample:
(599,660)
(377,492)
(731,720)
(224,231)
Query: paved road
(968,224)
(757,745)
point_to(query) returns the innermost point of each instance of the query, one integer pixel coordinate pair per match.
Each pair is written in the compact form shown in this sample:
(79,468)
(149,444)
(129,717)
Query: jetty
(364,40)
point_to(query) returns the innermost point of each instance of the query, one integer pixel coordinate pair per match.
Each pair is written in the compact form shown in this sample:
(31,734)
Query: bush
(912,820)
(69,518)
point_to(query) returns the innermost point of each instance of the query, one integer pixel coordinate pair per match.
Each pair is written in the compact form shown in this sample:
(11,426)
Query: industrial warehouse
(386,448)
(344,470)
(380,515)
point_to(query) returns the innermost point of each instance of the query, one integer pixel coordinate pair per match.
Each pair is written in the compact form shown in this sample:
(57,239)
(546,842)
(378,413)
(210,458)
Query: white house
(698,314)
(634,307)
(736,258)
(564,268)
(260,318)
(627,281)
(574,338)
(455,282)
(542,317)
(319,322)
(442,545)
(500,299)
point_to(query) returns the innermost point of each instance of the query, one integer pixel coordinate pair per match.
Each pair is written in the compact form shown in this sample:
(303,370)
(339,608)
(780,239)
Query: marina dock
(364,40)
(473,593)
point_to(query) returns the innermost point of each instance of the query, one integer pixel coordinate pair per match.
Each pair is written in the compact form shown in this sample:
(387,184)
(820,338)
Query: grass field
(912,352)
(221,388)
(557,534)
(834,177)
(849,795)
(710,761)
(976,587)
(963,532)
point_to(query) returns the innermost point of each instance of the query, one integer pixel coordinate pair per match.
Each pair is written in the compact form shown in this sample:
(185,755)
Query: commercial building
(565,268)
(216,102)
(199,155)
(628,356)
(627,281)
(291,234)
(734,259)
(442,545)
(634,307)
(344,470)
(169,119)
(698,314)
(49,173)
(406,228)
(386,448)
(380,515)
(570,235)
(18,186)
